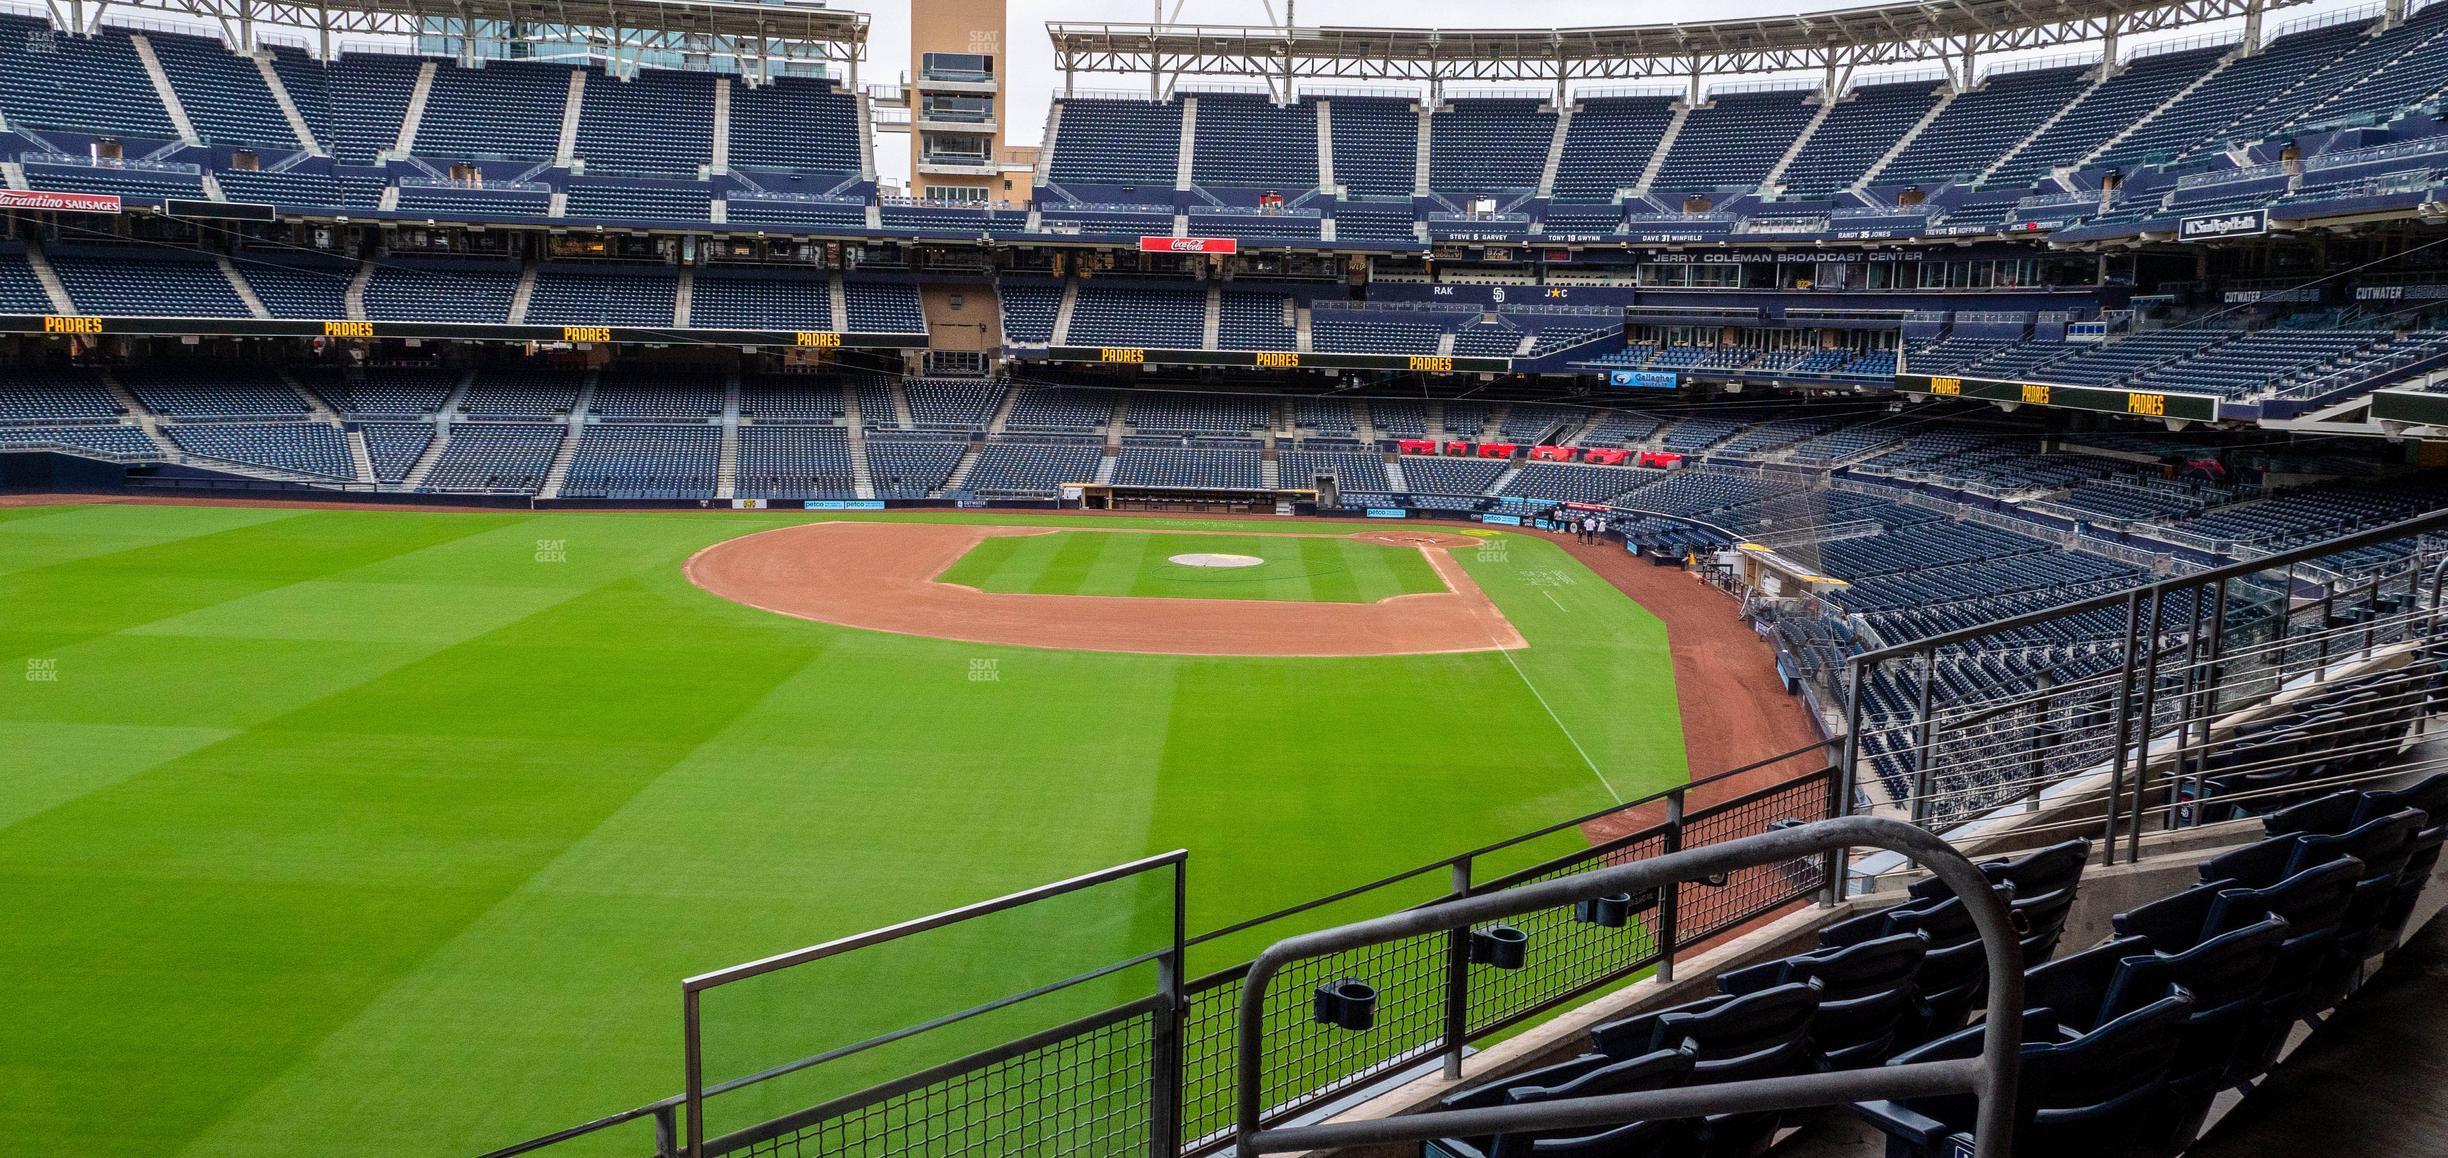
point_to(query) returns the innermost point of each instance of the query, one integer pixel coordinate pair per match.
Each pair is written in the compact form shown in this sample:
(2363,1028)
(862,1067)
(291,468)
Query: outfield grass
(1317,569)
(393,832)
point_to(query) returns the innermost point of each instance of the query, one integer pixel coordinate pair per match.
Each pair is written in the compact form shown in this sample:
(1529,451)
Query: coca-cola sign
(1189,245)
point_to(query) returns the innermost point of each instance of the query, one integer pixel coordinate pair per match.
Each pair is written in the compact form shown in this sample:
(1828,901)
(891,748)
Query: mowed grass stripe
(1327,566)
(1130,563)
(1112,563)
(34,537)
(287,836)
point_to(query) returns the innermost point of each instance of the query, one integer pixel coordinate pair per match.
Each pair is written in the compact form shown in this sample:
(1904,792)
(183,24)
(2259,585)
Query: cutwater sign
(2252,223)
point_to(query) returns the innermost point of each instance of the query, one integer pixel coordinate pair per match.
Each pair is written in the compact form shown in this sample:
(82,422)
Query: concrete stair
(1061,335)
(353,298)
(1905,142)
(161,88)
(1665,145)
(901,407)
(53,287)
(566,149)
(415,114)
(1776,174)
(960,470)
(1003,409)
(2107,72)
(1505,479)
(1555,151)
(360,460)
(288,107)
(1185,157)
(2135,125)
(425,462)
(135,407)
(726,463)
(238,284)
(859,475)
(523,296)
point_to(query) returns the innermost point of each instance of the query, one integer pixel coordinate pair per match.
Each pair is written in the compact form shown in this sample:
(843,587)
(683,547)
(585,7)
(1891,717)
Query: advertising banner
(1189,245)
(49,202)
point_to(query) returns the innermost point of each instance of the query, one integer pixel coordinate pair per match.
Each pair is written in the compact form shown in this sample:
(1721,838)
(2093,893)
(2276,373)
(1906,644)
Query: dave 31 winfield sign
(1189,245)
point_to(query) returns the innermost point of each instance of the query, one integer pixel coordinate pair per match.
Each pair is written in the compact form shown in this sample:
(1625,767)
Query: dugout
(1762,569)
(1207,500)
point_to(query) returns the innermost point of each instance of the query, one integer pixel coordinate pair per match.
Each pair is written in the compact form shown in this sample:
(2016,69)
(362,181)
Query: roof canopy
(1942,30)
(664,25)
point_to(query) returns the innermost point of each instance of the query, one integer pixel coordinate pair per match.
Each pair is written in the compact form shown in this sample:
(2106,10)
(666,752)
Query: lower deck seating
(497,456)
(1015,467)
(795,461)
(299,447)
(645,461)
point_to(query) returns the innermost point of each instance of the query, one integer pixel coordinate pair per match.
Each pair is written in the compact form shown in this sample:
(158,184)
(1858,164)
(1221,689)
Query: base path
(883,577)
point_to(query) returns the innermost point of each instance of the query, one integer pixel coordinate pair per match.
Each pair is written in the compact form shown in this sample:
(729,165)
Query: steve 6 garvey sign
(1189,245)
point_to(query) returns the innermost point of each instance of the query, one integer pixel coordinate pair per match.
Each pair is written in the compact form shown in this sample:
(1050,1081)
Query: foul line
(1569,738)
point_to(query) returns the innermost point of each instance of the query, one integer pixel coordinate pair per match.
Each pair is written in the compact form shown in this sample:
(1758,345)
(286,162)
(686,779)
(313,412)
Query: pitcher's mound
(1206,559)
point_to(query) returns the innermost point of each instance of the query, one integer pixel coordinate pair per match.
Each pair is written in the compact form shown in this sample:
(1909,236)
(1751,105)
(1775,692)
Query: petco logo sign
(2211,228)
(58,202)
(1189,245)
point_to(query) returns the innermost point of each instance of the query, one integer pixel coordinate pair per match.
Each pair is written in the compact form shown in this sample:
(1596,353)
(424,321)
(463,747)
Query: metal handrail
(1991,1078)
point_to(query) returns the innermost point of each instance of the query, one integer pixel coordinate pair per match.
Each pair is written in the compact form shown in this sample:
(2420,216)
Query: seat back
(2076,988)
(2042,919)
(1656,1070)
(1878,966)
(2229,968)
(2102,1067)
(1742,1026)
(2382,844)
(1864,991)
(2311,902)
(2428,795)
(2253,866)
(2332,813)
(1662,1069)
(2173,923)
(2043,870)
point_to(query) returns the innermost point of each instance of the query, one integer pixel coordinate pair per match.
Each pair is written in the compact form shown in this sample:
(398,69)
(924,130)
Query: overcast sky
(1032,79)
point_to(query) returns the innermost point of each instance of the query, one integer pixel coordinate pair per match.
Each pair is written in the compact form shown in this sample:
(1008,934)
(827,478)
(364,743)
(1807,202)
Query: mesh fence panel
(1704,910)
(1087,1093)
(1565,956)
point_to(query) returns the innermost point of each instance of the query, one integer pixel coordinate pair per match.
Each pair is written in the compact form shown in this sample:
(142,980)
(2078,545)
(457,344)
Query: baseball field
(392,832)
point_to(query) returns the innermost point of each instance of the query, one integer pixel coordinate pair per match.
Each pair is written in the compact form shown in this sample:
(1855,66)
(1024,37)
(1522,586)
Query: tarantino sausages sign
(49,202)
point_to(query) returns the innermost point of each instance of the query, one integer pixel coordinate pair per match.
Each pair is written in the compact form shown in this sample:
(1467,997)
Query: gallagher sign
(2218,225)
(1189,245)
(58,202)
